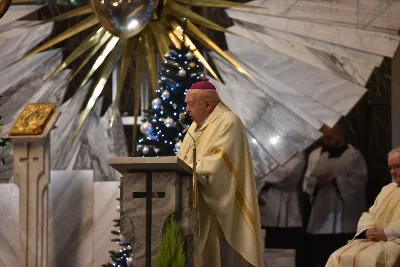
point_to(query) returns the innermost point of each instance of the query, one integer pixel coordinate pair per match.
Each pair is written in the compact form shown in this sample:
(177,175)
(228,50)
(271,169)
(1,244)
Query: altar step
(280,257)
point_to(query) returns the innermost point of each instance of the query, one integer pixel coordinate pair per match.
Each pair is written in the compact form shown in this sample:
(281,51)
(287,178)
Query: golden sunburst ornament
(122,28)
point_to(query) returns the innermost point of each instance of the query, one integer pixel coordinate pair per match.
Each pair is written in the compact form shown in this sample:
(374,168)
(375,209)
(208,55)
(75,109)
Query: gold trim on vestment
(341,253)
(238,194)
(391,213)
(358,254)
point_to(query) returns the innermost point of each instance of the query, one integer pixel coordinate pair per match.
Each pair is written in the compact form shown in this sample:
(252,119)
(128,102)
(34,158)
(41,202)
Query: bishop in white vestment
(377,242)
(229,218)
(335,180)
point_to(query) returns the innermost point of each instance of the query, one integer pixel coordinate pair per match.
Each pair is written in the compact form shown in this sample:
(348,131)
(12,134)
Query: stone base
(81,214)
(148,200)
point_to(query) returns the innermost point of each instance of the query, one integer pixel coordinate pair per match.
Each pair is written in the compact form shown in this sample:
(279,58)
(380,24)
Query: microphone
(194,180)
(182,116)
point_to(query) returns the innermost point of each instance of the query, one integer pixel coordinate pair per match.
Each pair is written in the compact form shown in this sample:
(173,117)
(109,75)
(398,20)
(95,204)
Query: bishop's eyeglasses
(394,168)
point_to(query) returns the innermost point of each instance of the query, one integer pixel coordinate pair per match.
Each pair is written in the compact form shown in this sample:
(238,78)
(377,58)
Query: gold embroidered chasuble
(230,197)
(385,213)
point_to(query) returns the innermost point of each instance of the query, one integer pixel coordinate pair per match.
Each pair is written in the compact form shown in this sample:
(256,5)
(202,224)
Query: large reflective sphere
(124,18)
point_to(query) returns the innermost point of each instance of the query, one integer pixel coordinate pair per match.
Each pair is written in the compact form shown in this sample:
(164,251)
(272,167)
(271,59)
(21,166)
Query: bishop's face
(196,108)
(394,166)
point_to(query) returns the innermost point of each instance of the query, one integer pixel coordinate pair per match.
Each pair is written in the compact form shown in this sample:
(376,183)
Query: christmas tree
(162,133)
(122,257)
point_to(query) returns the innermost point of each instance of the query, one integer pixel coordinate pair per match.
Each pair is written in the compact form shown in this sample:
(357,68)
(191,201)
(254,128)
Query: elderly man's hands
(376,234)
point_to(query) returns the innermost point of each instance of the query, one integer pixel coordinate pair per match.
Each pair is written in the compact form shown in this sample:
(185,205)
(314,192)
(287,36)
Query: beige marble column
(32,176)
(396,99)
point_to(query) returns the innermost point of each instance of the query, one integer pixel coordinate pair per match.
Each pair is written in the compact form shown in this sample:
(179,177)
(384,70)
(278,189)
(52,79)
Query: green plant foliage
(171,253)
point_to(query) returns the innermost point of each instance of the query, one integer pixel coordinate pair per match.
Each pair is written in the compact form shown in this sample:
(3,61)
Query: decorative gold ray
(179,11)
(201,37)
(81,26)
(111,61)
(162,40)
(91,41)
(175,40)
(125,63)
(94,50)
(87,9)
(151,59)
(177,34)
(101,58)
(216,3)
(136,90)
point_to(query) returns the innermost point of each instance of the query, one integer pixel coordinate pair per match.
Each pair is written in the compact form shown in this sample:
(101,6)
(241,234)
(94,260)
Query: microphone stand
(194,178)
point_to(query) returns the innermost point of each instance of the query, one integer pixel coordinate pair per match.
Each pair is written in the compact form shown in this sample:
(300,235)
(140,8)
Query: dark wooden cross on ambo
(148,195)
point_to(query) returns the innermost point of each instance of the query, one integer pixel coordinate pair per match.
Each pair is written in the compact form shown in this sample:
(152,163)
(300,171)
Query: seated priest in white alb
(280,215)
(335,179)
(377,242)
(229,219)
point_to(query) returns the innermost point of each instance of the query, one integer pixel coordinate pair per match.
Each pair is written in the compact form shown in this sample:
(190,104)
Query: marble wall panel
(18,11)
(97,146)
(14,24)
(337,94)
(14,77)
(382,16)
(280,129)
(61,134)
(71,218)
(310,110)
(17,41)
(388,19)
(336,50)
(353,38)
(114,137)
(262,131)
(263,162)
(9,225)
(105,211)
(343,67)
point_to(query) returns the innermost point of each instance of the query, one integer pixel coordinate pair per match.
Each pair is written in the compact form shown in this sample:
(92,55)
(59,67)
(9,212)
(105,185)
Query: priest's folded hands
(377,242)
(376,234)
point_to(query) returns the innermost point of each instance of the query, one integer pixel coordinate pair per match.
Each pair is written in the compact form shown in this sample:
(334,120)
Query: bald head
(332,137)
(200,103)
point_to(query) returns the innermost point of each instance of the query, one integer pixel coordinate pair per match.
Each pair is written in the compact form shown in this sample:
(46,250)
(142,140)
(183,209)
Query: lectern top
(160,164)
(46,131)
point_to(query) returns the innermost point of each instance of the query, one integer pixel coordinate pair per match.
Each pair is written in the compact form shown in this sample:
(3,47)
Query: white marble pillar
(396,99)
(32,176)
